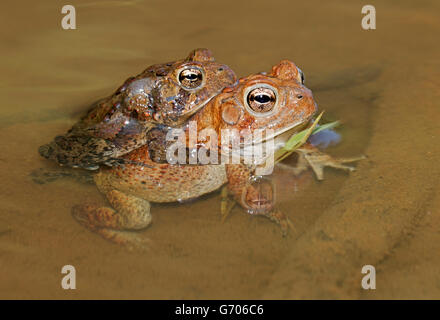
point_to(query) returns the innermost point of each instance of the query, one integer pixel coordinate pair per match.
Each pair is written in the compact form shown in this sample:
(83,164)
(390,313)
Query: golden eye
(261,99)
(191,78)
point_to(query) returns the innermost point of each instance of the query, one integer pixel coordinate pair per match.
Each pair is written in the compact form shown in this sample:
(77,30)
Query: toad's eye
(261,99)
(191,78)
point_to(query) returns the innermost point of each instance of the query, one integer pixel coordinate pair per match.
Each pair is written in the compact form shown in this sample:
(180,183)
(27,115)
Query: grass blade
(299,138)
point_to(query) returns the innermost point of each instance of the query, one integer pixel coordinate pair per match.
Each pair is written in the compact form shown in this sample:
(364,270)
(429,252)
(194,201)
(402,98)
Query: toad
(163,94)
(278,101)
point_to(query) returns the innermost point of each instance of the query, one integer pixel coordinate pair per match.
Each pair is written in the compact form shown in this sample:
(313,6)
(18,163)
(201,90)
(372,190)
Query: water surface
(382,84)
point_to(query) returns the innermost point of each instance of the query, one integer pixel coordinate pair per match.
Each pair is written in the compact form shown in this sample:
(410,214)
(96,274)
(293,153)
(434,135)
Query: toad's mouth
(259,149)
(283,134)
(190,112)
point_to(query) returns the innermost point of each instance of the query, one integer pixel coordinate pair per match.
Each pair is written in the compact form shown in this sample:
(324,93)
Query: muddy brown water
(383,84)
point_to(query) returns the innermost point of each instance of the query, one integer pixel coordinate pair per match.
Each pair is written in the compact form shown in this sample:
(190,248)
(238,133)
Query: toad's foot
(81,151)
(43,175)
(281,219)
(259,199)
(256,194)
(227,204)
(130,213)
(318,160)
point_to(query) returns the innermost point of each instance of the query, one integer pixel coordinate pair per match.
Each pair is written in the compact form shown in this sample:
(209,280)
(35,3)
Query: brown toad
(278,101)
(164,94)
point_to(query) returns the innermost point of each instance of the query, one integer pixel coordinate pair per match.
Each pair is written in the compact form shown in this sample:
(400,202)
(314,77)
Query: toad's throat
(259,149)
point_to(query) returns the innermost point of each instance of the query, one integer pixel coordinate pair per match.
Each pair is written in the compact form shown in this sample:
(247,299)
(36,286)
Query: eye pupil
(191,78)
(261,99)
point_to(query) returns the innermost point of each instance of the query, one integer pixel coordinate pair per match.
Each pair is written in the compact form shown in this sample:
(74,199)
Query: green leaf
(299,138)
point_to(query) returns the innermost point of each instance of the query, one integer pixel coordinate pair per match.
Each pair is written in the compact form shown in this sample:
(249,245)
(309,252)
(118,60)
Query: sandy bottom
(383,84)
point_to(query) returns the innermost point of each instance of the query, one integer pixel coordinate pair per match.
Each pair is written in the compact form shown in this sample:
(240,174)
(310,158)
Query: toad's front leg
(255,194)
(118,225)
(311,156)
